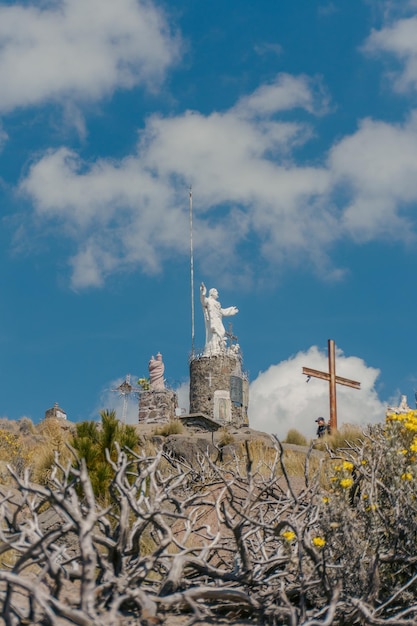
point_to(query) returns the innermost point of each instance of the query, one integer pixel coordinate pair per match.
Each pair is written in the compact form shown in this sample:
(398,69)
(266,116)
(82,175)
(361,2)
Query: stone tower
(219,388)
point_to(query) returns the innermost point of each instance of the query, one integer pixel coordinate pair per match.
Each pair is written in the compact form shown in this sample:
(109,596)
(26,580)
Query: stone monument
(219,388)
(157,404)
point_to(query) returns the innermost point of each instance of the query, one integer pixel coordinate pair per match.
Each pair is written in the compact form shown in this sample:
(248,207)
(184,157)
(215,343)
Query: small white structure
(56,413)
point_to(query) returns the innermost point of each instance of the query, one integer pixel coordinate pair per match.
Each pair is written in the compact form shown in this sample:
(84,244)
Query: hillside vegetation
(231,536)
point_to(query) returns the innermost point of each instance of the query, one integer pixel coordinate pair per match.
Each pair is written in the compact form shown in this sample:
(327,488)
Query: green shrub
(91,441)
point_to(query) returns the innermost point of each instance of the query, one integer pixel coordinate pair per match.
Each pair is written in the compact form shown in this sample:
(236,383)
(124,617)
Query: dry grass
(225,437)
(295,437)
(348,434)
(264,458)
(22,448)
(173,427)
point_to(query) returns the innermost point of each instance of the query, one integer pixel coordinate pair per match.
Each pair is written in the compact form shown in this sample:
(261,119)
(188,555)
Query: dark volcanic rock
(187,448)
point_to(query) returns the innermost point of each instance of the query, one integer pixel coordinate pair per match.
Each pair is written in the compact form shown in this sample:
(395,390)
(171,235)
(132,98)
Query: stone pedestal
(219,389)
(157,407)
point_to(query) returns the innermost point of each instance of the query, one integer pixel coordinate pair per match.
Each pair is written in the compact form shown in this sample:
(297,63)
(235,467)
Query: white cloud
(280,399)
(80,50)
(378,165)
(3,137)
(183,395)
(136,209)
(285,92)
(119,215)
(241,163)
(400,40)
(268,48)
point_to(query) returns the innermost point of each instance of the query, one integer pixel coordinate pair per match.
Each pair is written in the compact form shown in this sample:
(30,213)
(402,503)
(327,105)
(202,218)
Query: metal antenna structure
(192,272)
(125,390)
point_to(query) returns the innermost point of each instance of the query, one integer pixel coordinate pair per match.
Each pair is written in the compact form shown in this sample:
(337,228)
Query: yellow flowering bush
(371,516)
(342,475)
(346,483)
(13,450)
(319,542)
(289,535)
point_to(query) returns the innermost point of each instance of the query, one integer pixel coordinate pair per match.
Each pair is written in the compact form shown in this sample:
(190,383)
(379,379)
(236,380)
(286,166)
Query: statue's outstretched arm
(203,292)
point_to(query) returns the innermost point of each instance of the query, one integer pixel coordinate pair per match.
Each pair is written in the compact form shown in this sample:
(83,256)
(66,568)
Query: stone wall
(157,407)
(218,388)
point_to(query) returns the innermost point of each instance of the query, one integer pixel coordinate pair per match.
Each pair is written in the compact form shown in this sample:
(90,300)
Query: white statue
(156,373)
(402,408)
(213,314)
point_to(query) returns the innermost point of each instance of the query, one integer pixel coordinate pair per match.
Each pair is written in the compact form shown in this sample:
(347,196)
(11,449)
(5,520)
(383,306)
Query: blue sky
(296,125)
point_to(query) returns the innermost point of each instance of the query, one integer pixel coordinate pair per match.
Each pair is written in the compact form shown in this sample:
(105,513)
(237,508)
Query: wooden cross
(333,381)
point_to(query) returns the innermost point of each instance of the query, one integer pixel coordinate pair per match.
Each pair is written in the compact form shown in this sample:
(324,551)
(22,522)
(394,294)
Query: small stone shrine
(55,413)
(219,389)
(157,405)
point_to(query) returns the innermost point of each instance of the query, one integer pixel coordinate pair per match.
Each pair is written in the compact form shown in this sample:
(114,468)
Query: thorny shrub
(223,542)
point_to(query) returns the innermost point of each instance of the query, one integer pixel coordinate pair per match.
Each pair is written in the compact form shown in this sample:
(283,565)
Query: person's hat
(319,419)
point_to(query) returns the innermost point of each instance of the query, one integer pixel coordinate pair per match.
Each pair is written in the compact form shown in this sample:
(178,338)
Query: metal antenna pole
(192,271)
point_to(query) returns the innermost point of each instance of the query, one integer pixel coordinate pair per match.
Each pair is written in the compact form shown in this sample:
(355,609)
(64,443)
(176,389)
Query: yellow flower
(289,535)
(337,468)
(407,476)
(413,446)
(319,542)
(346,483)
(404,451)
(364,462)
(365,496)
(347,465)
(325,499)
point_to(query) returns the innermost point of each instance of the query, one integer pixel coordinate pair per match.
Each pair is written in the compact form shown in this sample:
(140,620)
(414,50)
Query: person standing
(322,427)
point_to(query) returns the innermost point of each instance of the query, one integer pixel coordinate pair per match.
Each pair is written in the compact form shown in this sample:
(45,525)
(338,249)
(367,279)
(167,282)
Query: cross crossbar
(324,376)
(333,380)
